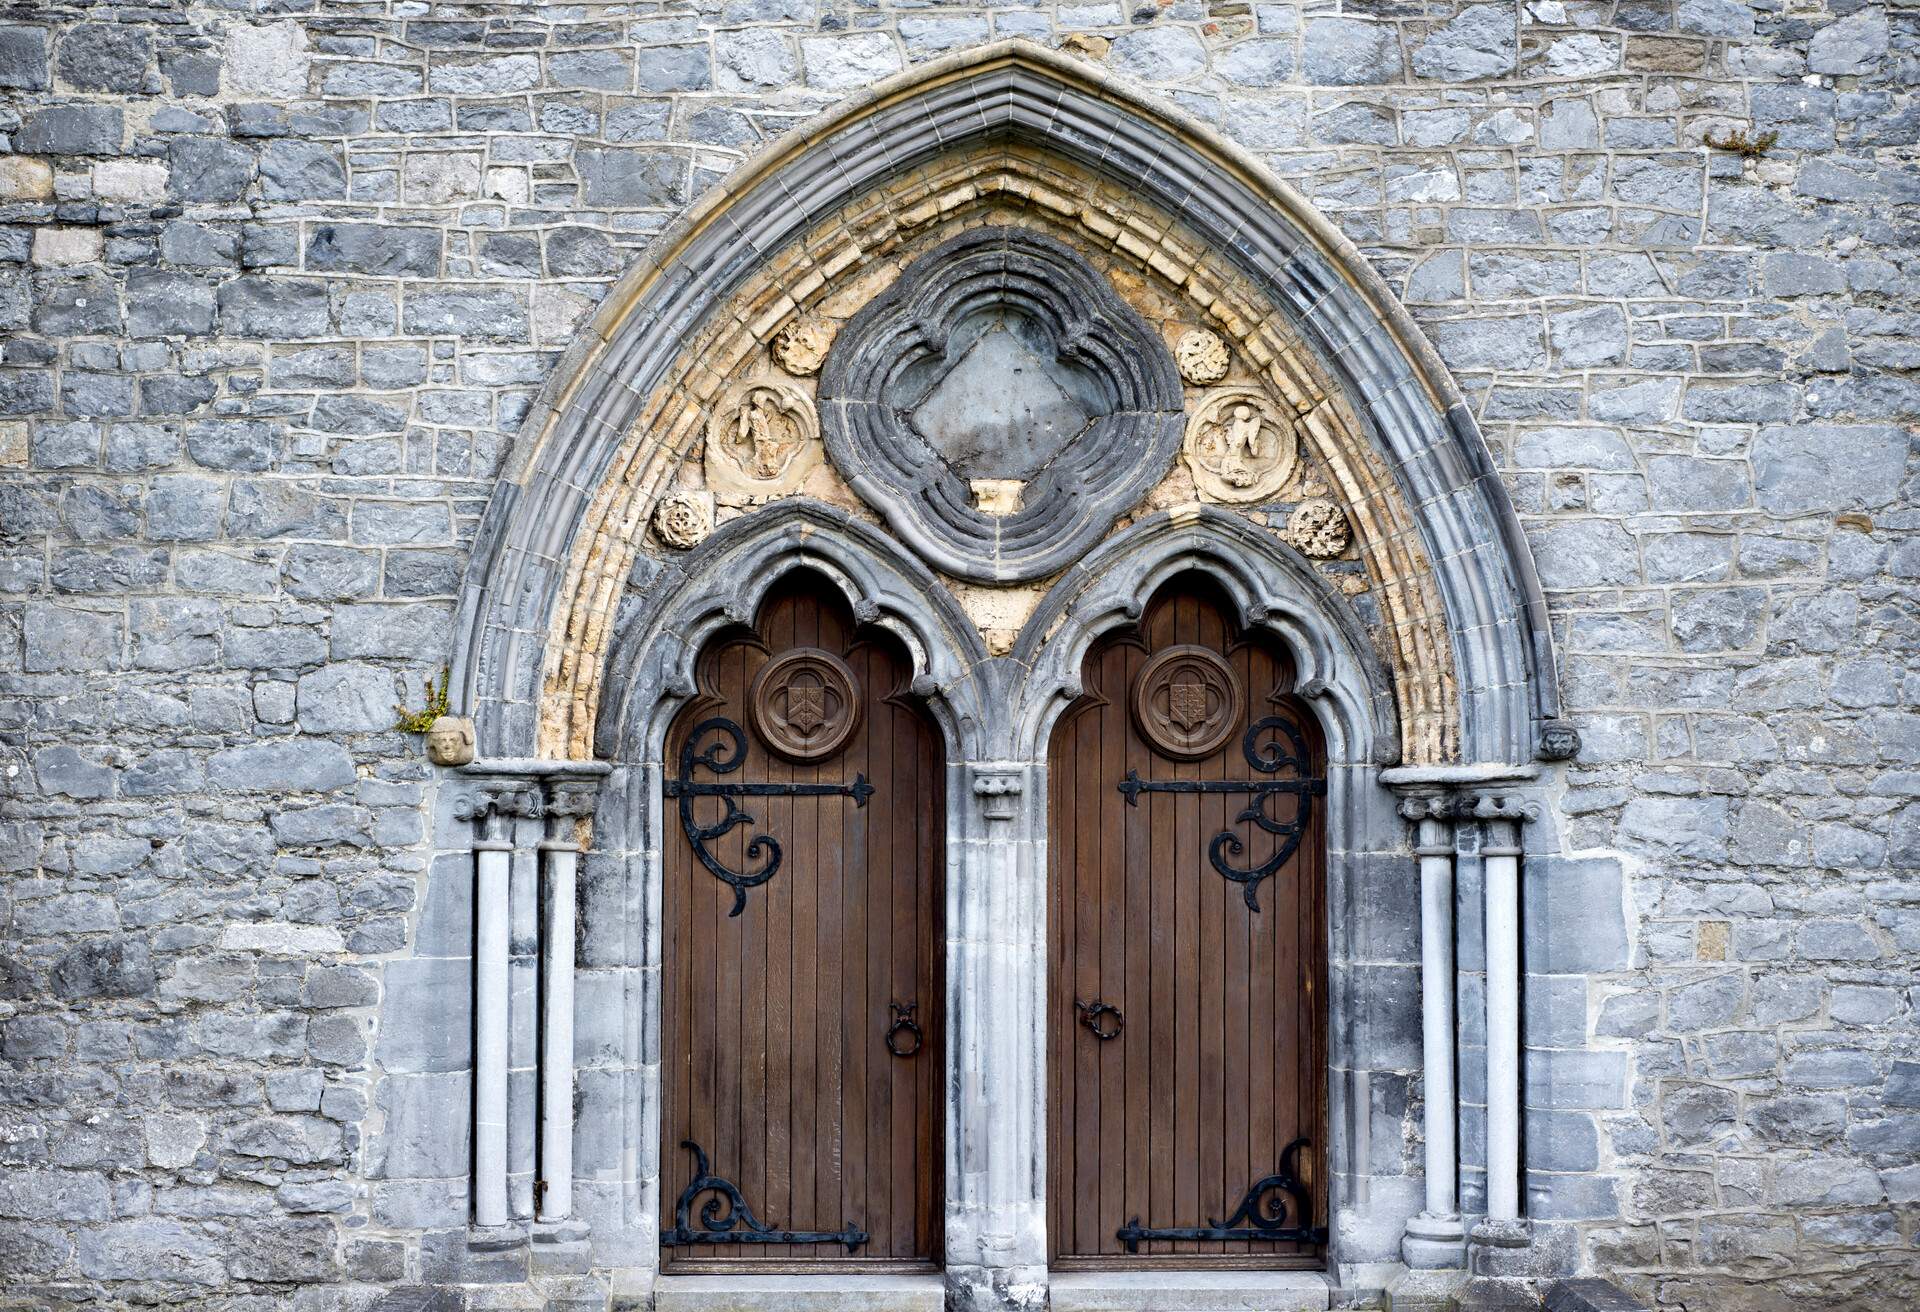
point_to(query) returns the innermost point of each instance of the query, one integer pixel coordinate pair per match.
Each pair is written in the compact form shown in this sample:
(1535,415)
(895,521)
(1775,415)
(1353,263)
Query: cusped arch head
(651,668)
(1272,588)
(533,624)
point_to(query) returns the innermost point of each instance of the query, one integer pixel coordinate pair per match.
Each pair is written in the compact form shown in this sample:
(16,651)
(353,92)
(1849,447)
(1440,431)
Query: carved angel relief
(1240,447)
(762,442)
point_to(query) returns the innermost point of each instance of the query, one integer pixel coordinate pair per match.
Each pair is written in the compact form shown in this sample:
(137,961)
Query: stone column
(996,1113)
(492,812)
(1504,1227)
(1436,1237)
(569,809)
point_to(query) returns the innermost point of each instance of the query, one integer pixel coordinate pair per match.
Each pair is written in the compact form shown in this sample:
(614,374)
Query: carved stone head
(450,740)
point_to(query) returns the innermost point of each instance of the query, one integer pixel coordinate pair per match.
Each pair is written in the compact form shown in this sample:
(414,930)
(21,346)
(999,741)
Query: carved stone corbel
(999,789)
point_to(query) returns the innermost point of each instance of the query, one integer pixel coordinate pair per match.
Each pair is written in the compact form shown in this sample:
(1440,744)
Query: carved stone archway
(692,401)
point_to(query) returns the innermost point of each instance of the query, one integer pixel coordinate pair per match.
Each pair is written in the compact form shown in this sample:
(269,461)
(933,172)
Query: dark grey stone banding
(909,340)
(1017,92)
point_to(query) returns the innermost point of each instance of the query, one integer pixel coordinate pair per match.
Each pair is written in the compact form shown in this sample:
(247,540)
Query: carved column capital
(998,788)
(1500,806)
(570,805)
(1503,814)
(489,810)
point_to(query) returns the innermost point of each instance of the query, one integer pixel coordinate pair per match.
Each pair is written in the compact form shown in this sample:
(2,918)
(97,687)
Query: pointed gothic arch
(1467,636)
(1425,647)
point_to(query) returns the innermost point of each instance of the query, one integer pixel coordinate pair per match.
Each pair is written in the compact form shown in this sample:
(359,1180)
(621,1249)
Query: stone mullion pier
(996,1111)
(1436,1237)
(1504,1227)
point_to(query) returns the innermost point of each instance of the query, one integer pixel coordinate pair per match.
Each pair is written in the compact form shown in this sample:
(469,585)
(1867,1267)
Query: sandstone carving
(1240,447)
(450,740)
(762,442)
(1317,529)
(998,497)
(683,519)
(801,345)
(1202,357)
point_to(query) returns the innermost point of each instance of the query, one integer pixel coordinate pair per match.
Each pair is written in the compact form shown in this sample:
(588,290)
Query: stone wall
(283,279)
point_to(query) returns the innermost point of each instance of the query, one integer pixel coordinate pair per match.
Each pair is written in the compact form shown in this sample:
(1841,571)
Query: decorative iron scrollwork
(1264,1214)
(904,1024)
(1270,758)
(725,1218)
(1093,1014)
(724,757)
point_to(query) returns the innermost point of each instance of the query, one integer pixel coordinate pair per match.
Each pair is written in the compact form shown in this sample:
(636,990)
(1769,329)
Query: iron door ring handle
(1092,1015)
(904,1023)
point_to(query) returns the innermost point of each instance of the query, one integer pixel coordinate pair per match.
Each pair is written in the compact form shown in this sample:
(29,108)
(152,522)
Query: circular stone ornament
(801,345)
(1187,702)
(1202,357)
(1240,447)
(762,442)
(804,704)
(683,520)
(1317,529)
(1000,356)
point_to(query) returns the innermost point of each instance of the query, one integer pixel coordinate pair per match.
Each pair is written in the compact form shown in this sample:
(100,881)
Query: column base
(1425,1291)
(996,1289)
(1502,1248)
(1485,1294)
(560,1248)
(1434,1243)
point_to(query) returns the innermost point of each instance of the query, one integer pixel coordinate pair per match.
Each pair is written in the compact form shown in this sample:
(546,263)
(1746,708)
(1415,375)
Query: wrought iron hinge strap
(1269,759)
(1263,1214)
(725,1218)
(724,757)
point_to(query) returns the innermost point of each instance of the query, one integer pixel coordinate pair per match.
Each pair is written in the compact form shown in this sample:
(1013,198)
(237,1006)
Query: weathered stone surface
(1480,42)
(283,290)
(106,56)
(1344,52)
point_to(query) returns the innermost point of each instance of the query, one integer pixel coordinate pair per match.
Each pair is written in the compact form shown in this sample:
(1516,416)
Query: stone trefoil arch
(672,471)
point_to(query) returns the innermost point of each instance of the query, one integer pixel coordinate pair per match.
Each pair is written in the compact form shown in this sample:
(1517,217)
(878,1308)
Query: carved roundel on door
(804,705)
(1187,702)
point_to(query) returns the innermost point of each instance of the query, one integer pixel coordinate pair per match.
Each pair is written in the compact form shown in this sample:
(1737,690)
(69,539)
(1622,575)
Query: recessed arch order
(1470,652)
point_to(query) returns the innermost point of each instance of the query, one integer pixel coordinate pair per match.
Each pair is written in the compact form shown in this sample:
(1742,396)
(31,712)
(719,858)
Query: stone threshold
(825,1292)
(1189,1291)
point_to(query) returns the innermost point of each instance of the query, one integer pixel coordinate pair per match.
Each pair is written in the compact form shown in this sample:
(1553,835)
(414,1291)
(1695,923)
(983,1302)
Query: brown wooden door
(1214,1082)
(783,993)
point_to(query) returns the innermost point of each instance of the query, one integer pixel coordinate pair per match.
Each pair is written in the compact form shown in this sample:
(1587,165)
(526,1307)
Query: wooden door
(802,1039)
(1186,1057)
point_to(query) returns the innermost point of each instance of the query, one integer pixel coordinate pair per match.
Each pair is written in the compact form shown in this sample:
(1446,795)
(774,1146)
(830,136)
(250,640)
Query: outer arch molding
(1495,614)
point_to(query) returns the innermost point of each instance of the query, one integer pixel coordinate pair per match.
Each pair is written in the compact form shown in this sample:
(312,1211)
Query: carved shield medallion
(804,704)
(1187,702)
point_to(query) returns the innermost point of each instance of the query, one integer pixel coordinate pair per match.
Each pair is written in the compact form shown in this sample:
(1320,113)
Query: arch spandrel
(1175,217)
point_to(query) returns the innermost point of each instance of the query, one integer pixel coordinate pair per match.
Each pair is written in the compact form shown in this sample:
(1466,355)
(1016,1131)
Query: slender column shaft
(493,856)
(1436,1015)
(1502,857)
(560,862)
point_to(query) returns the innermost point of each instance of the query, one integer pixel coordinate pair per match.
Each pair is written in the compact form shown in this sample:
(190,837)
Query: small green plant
(422,720)
(1740,143)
